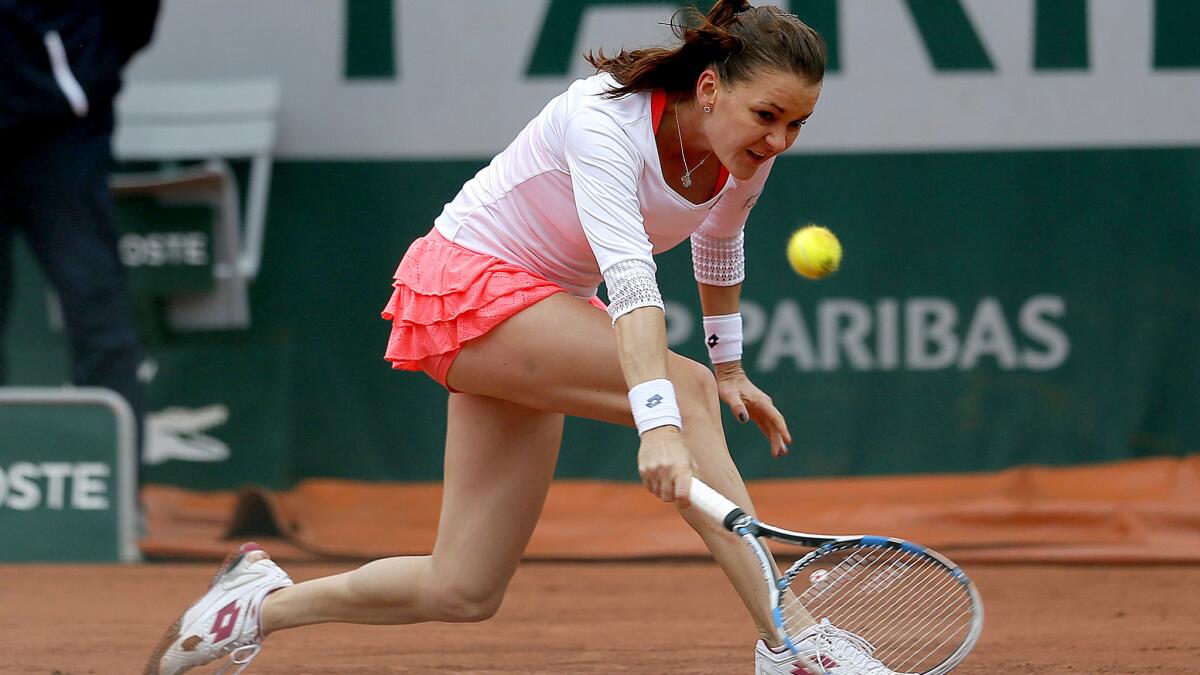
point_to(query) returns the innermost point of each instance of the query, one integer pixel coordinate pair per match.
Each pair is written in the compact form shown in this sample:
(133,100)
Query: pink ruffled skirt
(445,295)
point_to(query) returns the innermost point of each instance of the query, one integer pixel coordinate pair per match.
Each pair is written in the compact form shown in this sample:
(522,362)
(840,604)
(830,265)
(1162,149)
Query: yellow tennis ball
(814,252)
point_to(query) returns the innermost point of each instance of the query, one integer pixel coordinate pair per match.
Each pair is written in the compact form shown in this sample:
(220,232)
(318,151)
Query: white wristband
(653,404)
(723,336)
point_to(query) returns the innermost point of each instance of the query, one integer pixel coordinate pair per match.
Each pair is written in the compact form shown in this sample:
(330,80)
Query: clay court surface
(562,618)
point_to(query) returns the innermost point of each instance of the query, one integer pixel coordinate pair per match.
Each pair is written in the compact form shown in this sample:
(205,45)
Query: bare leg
(575,369)
(500,460)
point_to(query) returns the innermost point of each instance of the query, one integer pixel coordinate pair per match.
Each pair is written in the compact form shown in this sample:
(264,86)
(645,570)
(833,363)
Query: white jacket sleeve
(605,167)
(718,251)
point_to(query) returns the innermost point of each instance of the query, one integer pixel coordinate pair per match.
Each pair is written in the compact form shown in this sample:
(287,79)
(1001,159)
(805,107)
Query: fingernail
(742,417)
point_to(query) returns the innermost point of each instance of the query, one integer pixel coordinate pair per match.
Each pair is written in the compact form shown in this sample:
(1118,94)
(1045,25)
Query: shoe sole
(154,663)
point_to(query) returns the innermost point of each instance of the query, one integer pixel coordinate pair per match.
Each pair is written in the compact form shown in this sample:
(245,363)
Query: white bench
(211,122)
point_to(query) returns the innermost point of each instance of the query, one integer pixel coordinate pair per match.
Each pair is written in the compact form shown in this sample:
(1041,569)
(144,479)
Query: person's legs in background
(69,223)
(6,271)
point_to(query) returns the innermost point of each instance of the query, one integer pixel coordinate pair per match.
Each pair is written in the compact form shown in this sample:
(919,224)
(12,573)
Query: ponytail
(734,38)
(723,13)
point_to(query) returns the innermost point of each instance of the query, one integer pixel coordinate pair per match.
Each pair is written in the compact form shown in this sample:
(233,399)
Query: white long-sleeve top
(581,189)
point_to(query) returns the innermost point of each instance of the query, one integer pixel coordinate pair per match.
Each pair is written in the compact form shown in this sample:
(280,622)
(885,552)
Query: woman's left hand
(748,402)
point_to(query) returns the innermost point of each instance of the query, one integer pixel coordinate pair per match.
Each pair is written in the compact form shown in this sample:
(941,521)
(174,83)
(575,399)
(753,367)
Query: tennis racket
(860,604)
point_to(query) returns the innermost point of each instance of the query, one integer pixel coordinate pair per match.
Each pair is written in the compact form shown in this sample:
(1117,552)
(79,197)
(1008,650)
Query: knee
(694,383)
(454,601)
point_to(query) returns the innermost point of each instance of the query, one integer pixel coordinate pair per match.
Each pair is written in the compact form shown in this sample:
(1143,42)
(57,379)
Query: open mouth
(757,157)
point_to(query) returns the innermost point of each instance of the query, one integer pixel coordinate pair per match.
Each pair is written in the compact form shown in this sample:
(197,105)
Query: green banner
(166,248)
(66,476)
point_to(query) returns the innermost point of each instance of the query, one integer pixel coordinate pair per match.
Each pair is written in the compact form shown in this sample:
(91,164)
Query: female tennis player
(497,303)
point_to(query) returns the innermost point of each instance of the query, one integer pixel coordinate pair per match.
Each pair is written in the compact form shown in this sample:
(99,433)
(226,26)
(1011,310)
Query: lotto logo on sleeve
(654,401)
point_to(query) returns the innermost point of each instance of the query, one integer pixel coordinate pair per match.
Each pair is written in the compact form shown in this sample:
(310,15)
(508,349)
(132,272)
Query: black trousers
(54,190)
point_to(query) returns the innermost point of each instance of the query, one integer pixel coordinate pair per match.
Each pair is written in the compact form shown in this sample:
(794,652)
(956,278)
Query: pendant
(686,179)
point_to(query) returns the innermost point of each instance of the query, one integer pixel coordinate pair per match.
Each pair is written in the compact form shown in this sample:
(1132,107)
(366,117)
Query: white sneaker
(769,662)
(835,651)
(227,620)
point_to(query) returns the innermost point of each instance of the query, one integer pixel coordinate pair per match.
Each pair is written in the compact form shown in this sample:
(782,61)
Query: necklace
(686,178)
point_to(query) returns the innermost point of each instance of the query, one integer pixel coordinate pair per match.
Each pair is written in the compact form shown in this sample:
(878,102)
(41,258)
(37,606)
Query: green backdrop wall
(993,309)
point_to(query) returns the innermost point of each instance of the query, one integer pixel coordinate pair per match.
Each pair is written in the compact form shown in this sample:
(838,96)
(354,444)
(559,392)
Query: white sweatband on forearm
(653,404)
(631,284)
(719,261)
(723,336)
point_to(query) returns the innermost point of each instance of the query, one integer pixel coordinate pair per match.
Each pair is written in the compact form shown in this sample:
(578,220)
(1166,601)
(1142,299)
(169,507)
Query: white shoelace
(847,649)
(240,656)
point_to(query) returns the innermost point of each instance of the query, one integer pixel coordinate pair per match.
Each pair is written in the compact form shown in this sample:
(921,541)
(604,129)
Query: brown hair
(734,39)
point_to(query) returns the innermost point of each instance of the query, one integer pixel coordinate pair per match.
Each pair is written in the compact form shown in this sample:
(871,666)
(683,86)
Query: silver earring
(708,108)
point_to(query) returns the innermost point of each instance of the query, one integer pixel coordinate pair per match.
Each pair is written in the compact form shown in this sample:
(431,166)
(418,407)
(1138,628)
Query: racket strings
(936,622)
(885,629)
(910,611)
(801,614)
(941,612)
(909,601)
(890,628)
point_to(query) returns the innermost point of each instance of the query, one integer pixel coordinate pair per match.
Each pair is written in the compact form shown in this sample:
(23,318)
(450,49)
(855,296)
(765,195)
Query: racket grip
(714,505)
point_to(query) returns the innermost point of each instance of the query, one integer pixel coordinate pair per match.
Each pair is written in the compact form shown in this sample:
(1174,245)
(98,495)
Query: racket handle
(714,505)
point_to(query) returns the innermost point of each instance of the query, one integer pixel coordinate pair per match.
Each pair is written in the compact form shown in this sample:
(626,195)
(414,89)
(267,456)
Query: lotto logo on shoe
(222,626)
(654,401)
(25,486)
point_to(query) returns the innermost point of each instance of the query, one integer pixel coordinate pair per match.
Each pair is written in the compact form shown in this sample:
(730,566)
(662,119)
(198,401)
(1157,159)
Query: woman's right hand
(665,465)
